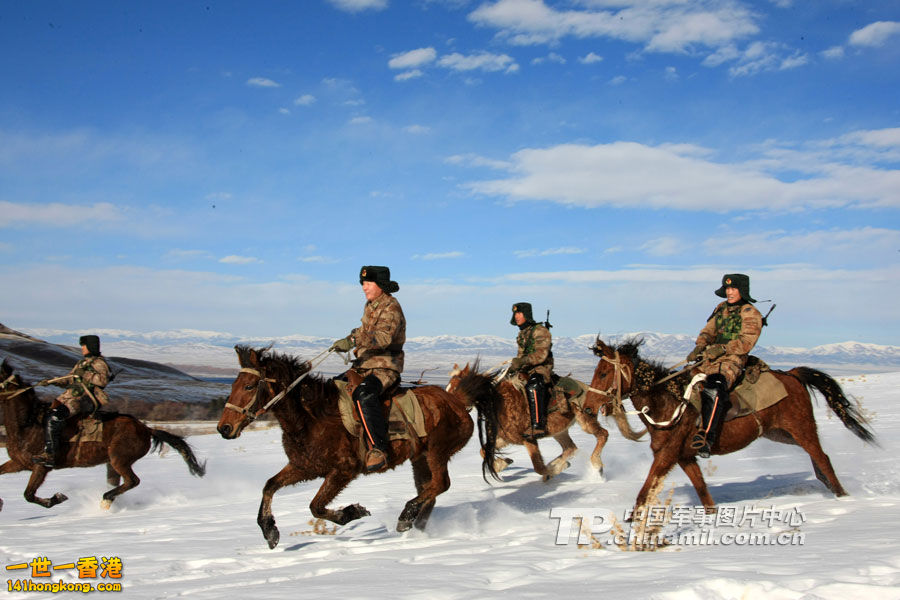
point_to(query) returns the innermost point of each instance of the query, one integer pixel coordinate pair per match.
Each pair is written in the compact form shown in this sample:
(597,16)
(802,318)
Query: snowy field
(177,535)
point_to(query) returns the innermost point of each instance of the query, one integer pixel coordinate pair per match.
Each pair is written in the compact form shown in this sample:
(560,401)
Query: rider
(724,344)
(84,395)
(379,357)
(533,364)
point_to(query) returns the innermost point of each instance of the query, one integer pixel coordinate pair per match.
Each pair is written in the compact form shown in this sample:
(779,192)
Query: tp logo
(586,521)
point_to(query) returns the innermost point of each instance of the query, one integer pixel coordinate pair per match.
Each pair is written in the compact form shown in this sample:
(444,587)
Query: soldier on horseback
(724,345)
(533,364)
(84,395)
(379,357)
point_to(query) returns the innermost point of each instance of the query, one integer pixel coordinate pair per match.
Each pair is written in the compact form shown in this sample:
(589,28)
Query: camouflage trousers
(76,404)
(387,377)
(729,367)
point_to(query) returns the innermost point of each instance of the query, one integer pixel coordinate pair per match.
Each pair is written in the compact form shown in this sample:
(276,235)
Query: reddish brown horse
(673,422)
(124,440)
(318,444)
(514,424)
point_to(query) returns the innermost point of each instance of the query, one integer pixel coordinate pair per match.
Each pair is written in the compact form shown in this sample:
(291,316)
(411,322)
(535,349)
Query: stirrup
(699,441)
(45,459)
(375,460)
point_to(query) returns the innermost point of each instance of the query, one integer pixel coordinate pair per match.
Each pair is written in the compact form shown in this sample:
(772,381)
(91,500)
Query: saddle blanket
(746,397)
(406,414)
(566,390)
(89,430)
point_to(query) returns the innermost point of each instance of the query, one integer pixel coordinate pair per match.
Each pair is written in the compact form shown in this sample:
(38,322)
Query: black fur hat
(381,276)
(739,281)
(525,309)
(91,342)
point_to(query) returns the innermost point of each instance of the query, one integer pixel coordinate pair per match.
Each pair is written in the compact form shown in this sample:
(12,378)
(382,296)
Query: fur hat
(739,281)
(91,342)
(525,309)
(381,276)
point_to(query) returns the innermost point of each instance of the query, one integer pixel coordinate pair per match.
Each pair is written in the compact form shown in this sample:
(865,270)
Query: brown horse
(673,422)
(318,444)
(124,440)
(515,424)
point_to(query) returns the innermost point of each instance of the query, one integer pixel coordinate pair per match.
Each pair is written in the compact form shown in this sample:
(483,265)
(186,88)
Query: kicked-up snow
(780,535)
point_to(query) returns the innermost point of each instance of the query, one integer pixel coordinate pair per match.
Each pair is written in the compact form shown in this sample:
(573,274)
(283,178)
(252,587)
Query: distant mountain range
(211,352)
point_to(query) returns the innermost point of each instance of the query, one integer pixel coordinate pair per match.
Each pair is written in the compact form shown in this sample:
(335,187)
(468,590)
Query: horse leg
(422,472)
(417,510)
(121,467)
(34,482)
(590,425)
(692,470)
(561,462)
(537,460)
(112,476)
(500,462)
(809,441)
(663,462)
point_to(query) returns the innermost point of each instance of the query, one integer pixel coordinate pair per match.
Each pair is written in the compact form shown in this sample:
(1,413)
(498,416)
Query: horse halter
(247,411)
(620,372)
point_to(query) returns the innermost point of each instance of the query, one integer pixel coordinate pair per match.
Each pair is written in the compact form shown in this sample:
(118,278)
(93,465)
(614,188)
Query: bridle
(620,373)
(248,411)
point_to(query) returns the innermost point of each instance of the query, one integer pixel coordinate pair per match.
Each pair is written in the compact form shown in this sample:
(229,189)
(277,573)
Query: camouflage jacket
(379,340)
(536,348)
(736,328)
(93,372)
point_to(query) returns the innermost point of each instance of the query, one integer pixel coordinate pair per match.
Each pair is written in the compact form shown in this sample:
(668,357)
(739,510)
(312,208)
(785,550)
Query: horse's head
(613,375)
(456,374)
(249,393)
(9,381)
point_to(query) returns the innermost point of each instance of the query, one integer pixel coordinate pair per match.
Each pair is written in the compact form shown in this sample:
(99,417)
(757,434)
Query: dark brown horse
(124,440)
(673,422)
(318,444)
(514,423)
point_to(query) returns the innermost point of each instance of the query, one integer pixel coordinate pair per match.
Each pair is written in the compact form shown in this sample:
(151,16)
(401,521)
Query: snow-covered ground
(177,535)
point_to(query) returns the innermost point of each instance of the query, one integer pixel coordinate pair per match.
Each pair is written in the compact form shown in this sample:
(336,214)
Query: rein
(269,381)
(617,382)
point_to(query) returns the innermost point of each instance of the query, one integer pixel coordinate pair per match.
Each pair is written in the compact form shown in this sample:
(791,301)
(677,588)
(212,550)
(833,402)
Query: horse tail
(161,437)
(621,419)
(480,391)
(837,401)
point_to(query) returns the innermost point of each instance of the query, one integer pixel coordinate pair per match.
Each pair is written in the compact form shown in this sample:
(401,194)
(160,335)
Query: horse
(317,443)
(672,420)
(515,424)
(125,439)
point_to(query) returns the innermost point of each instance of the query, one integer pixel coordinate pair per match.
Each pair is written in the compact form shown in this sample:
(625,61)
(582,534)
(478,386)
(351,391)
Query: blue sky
(229,166)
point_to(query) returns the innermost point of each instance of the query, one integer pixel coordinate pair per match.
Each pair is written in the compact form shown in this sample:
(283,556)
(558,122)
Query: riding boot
(56,420)
(367,397)
(537,395)
(714,405)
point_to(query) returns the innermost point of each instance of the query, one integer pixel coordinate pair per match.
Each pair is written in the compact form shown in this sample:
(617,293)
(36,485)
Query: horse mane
(315,394)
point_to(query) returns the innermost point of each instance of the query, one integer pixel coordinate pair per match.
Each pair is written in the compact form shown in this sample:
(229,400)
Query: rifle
(765,319)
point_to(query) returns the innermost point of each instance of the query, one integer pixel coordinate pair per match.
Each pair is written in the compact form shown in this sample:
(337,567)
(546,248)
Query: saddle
(406,421)
(756,389)
(564,391)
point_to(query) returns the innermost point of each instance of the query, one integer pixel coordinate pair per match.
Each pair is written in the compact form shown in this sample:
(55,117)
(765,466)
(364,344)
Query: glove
(715,351)
(695,354)
(342,345)
(516,363)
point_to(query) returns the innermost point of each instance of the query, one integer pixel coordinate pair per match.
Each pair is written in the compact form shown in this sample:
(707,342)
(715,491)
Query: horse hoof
(404,525)
(105,504)
(272,537)
(1,504)
(57,498)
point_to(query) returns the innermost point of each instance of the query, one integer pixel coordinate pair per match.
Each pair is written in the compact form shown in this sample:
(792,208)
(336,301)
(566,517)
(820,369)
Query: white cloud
(407,75)
(590,58)
(262,82)
(325,260)
(548,252)
(179,254)
(474,160)
(305,100)
(685,178)
(664,246)
(873,245)
(284,111)
(484,61)
(354,6)
(618,80)
(412,58)
(878,138)
(360,120)
(875,34)
(57,214)
(417,129)
(552,57)
(235,259)
(833,53)
(659,26)
(438,255)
